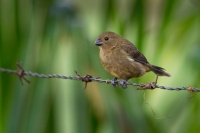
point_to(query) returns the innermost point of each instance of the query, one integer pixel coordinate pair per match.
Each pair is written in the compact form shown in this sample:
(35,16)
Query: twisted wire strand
(91,79)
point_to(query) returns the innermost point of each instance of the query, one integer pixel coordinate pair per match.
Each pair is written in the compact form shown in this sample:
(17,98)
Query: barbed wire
(21,73)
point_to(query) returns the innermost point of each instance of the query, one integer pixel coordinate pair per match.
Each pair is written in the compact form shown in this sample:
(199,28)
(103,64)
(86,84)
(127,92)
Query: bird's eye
(106,38)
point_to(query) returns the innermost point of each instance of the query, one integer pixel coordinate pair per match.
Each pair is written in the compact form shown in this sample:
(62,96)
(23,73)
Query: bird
(123,60)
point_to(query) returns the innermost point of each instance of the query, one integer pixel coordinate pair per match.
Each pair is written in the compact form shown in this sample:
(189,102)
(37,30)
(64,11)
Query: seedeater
(123,60)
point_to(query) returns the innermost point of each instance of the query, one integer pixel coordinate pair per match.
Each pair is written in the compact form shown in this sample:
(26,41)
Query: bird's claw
(114,82)
(151,85)
(123,84)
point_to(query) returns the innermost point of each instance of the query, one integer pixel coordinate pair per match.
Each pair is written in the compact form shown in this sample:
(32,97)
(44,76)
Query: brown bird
(123,60)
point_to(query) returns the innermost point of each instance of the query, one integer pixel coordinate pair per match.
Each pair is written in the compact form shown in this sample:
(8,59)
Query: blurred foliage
(58,37)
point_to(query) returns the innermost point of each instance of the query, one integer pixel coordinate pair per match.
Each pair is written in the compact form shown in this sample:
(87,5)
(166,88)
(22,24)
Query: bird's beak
(98,42)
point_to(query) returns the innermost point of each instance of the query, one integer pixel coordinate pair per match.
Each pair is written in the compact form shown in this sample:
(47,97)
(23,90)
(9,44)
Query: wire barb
(88,78)
(20,73)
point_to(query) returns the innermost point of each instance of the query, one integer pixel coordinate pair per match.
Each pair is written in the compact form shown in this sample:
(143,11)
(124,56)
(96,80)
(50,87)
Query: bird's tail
(159,71)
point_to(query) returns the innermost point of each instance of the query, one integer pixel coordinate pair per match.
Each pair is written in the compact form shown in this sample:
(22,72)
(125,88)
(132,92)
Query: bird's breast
(120,65)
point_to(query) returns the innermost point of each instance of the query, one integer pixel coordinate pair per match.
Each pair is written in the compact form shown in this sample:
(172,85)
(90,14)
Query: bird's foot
(114,82)
(151,85)
(123,83)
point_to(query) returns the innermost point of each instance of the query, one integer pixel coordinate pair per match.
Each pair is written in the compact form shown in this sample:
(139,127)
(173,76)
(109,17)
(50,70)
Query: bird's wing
(134,53)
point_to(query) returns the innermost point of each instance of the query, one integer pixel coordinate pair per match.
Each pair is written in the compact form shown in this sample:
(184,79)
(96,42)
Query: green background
(58,37)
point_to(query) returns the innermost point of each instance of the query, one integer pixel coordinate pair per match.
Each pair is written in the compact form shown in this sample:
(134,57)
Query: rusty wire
(21,73)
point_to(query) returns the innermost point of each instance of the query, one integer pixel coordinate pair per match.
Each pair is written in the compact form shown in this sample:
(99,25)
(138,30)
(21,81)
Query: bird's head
(108,40)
